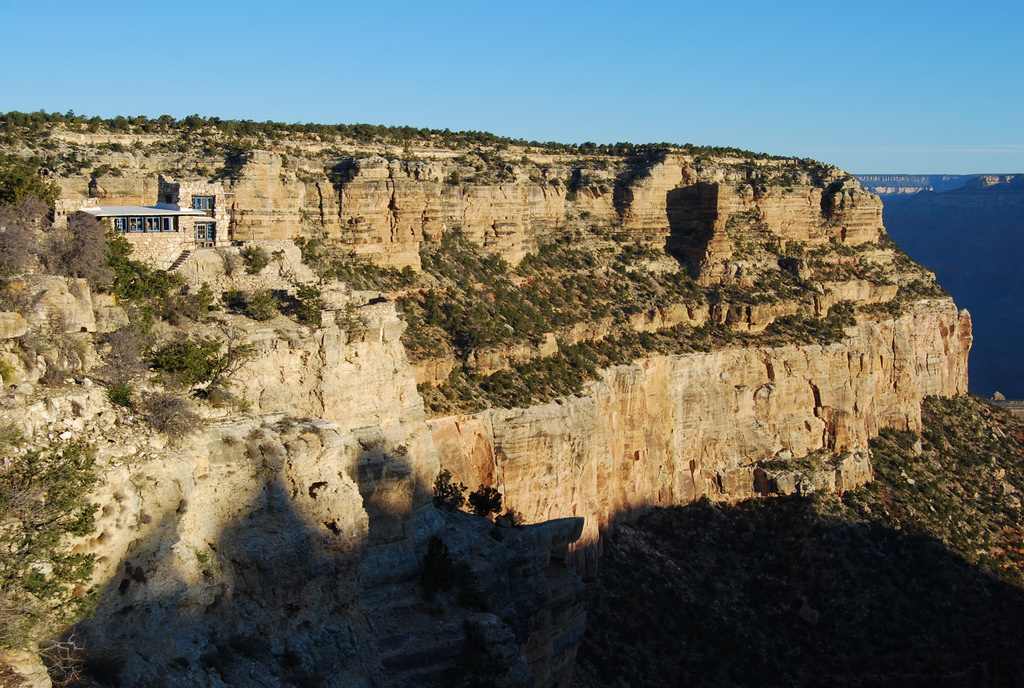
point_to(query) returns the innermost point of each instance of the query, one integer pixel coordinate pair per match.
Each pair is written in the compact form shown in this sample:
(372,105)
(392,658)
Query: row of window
(145,224)
(205,231)
(202,202)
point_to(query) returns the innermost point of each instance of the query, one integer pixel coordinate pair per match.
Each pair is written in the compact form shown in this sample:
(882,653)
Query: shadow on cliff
(777,592)
(692,214)
(273,597)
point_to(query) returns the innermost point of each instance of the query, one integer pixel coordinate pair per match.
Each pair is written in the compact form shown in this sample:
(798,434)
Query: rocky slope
(701,323)
(276,550)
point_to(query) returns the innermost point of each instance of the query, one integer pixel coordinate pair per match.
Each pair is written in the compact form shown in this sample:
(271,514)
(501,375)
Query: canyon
(282,541)
(981,273)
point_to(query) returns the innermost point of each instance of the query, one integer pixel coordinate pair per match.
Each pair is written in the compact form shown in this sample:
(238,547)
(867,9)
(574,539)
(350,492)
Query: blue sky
(912,87)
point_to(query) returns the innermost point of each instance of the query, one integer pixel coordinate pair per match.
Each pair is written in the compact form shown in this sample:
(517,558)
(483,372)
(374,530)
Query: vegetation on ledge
(471,304)
(16,126)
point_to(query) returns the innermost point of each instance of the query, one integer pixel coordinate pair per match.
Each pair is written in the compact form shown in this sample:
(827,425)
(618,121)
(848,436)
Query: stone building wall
(181,194)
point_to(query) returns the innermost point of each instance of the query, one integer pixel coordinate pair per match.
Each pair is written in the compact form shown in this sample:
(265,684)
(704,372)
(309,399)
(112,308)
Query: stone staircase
(180,261)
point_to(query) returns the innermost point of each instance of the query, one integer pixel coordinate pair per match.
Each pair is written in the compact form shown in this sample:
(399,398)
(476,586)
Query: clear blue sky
(896,86)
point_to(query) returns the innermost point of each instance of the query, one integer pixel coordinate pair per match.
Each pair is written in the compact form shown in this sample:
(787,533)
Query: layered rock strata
(284,548)
(385,207)
(724,425)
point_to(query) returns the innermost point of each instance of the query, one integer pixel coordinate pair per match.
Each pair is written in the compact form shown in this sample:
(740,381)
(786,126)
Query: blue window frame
(206,231)
(202,202)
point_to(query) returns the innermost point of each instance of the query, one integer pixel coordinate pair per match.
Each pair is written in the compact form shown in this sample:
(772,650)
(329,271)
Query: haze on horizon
(911,88)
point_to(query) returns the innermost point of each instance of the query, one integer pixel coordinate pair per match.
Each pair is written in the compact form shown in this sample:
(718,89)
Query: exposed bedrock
(726,425)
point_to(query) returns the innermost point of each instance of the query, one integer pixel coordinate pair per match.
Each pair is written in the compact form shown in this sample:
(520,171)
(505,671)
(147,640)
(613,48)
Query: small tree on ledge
(448,494)
(485,501)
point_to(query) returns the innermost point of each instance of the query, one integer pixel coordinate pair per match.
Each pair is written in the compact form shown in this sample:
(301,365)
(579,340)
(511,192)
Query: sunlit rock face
(725,425)
(285,545)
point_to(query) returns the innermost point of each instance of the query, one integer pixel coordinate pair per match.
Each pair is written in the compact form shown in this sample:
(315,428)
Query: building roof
(162,210)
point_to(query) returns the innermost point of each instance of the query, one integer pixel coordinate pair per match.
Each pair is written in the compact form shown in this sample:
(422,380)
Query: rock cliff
(725,425)
(754,329)
(384,203)
(282,550)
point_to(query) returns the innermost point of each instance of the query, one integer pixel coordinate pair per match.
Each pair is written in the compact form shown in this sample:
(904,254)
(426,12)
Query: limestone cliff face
(385,207)
(290,540)
(669,430)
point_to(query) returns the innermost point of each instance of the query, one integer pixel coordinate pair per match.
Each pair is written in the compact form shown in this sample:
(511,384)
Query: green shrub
(120,393)
(485,501)
(255,259)
(43,500)
(233,299)
(20,181)
(133,280)
(309,306)
(352,322)
(192,305)
(262,305)
(189,361)
(194,361)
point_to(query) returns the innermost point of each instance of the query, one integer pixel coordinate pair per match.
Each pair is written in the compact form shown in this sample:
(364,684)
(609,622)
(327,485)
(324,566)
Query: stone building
(208,198)
(187,215)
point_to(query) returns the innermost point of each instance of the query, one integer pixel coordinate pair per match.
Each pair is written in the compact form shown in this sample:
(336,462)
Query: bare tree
(21,225)
(79,251)
(123,360)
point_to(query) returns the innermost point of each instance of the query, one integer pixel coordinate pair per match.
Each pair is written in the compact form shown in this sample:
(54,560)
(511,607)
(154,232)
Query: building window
(206,231)
(145,224)
(202,202)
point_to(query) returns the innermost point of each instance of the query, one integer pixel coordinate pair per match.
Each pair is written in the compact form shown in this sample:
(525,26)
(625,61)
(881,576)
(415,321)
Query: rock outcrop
(725,425)
(285,545)
(282,551)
